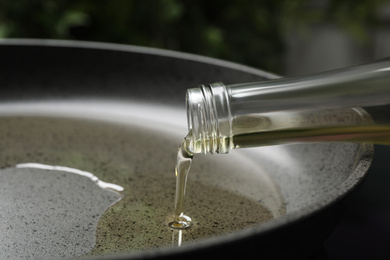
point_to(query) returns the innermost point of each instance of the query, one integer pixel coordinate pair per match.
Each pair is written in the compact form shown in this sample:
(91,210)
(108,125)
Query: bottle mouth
(208,119)
(201,120)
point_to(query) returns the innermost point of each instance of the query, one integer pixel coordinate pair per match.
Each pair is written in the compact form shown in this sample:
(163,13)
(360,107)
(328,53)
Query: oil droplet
(181,222)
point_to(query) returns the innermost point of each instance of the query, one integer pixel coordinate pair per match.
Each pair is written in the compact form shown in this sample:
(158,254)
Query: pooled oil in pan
(133,152)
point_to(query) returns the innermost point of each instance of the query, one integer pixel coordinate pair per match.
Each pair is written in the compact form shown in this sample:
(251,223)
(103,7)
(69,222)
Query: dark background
(280,36)
(287,37)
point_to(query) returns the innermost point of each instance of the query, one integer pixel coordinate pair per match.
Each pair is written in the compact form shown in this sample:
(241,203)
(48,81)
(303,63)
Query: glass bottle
(315,108)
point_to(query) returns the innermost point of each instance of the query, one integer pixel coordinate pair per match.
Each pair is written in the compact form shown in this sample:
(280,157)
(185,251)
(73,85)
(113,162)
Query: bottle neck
(209,119)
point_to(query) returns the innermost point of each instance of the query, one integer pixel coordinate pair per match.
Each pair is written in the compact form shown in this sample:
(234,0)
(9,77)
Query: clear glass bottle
(315,108)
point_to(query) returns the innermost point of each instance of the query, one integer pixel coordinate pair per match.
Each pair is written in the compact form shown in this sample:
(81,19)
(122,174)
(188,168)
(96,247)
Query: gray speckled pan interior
(309,177)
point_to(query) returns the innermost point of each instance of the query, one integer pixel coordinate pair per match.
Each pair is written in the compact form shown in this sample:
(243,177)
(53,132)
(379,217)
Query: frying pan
(314,180)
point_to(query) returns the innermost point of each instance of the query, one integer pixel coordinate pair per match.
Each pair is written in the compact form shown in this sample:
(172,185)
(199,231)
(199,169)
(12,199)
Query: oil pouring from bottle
(287,110)
(183,165)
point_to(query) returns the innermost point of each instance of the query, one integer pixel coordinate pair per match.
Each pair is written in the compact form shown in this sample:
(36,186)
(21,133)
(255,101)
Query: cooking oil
(183,165)
(95,137)
(376,134)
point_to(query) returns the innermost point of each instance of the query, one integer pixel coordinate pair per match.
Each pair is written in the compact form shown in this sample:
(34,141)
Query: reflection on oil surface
(45,209)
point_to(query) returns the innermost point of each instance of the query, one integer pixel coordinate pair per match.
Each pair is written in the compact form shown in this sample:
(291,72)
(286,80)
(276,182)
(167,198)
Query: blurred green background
(247,32)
